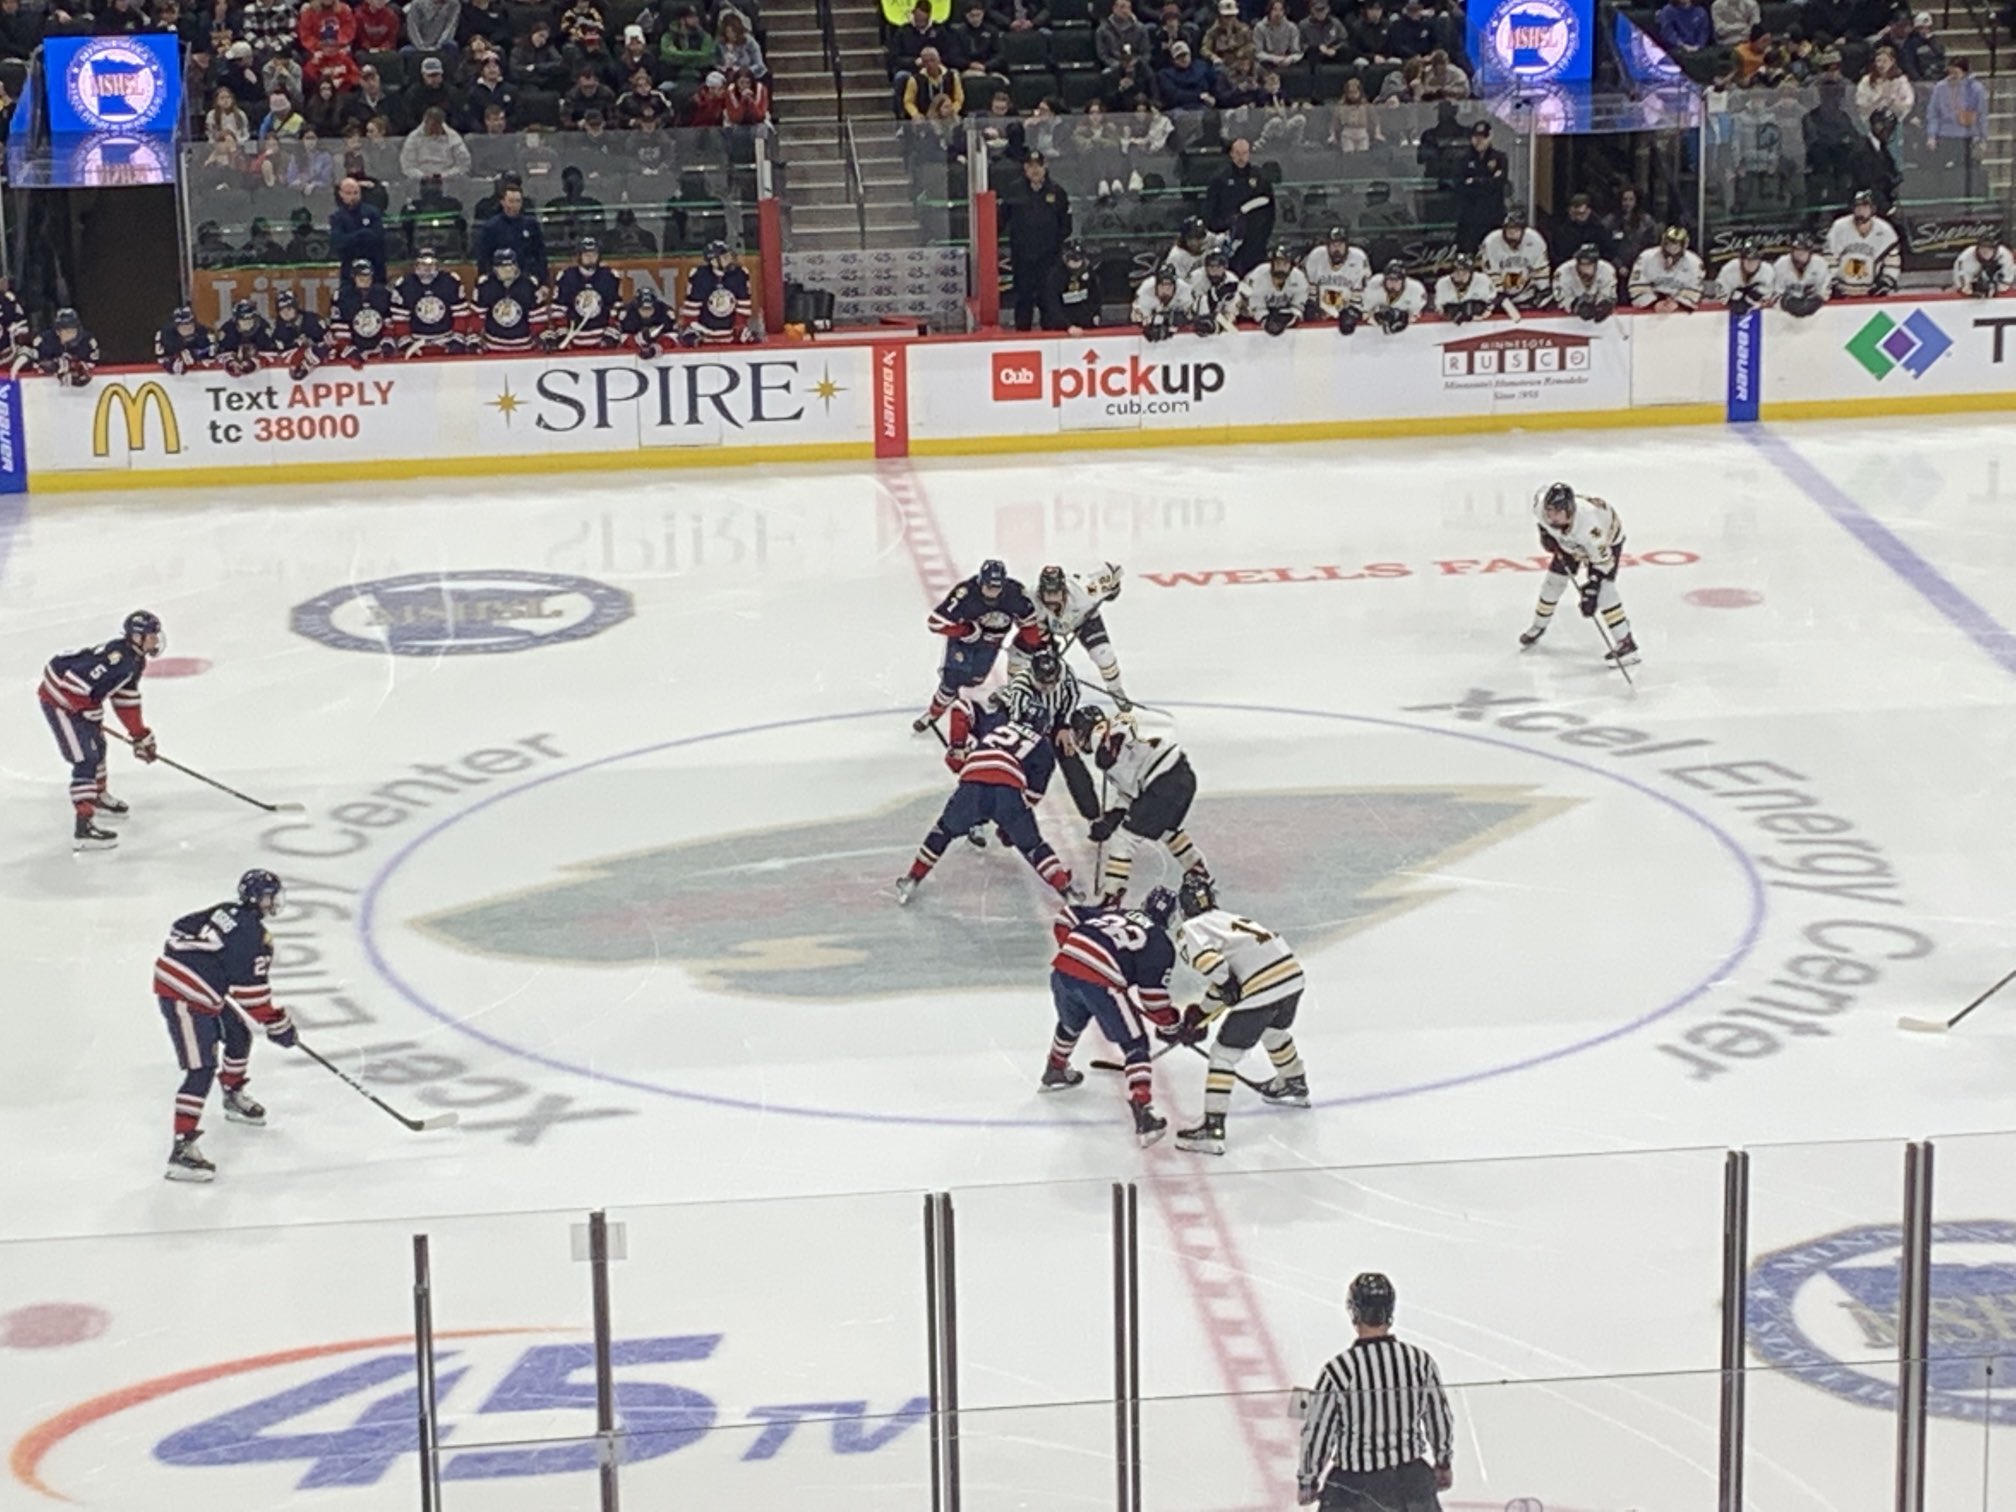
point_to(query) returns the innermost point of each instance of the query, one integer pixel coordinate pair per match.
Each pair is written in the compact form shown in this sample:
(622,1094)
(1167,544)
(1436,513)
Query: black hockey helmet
(1088,727)
(244,311)
(1046,668)
(360,267)
(1395,271)
(183,316)
(1588,254)
(1337,234)
(1217,257)
(1803,242)
(718,256)
(66,320)
(1194,230)
(1559,496)
(1752,249)
(646,297)
(140,624)
(261,889)
(1160,906)
(1075,255)
(1370,1300)
(1050,581)
(993,574)
(285,299)
(1464,263)
(1516,217)
(502,258)
(1281,254)
(1165,274)
(1195,895)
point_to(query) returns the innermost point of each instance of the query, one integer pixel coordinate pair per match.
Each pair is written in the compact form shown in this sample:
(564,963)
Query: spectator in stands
(1025,15)
(636,53)
(434,149)
(1228,36)
(589,93)
(686,48)
(311,168)
(1443,148)
(908,41)
(1322,35)
(378,26)
(429,92)
(1238,81)
(269,25)
(1884,87)
(748,101)
(1412,33)
(574,213)
(283,122)
(1367,32)
(280,72)
(581,17)
(1354,124)
(1239,205)
(1750,57)
(324,109)
(431,24)
(20,30)
(1922,56)
(224,121)
(238,73)
(1580,228)
(536,63)
(974,40)
(1956,117)
(1170,29)
(1145,135)
(337,64)
(324,24)
(736,47)
(1277,41)
(930,80)
(1684,27)
(1876,167)
(1188,83)
(636,99)
(119,18)
(485,19)
(369,98)
(369,190)
(1441,79)
(512,227)
(1097,152)
(1732,20)
(1038,218)
(1121,40)
(1483,190)
(942,143)
(1632,228)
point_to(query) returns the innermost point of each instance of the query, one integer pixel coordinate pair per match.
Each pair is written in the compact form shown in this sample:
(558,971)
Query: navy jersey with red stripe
(216,956)
(84,681)
(1116,948)
(965,609)
(717,305)
(988,747)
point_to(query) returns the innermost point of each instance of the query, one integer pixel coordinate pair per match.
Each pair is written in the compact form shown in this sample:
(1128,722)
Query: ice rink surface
(617,888)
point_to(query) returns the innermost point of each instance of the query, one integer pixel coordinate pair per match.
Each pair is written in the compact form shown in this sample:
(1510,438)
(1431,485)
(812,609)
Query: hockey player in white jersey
(1515,258)
(1152,779)
(1067,607)
(1275,294)
(1985,269)
(1747,281)
(1667,277)
(1463,294)
(1581,532)
(1586,286)
(1865,252)
(1193,243)
(1256,984)
(1395,300)
(1215,294)
(1162,305)
(1337,274)
(1802,278)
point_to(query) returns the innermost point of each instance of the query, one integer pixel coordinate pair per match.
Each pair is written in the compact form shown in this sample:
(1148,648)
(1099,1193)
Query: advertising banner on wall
(605,408)
(1891,353)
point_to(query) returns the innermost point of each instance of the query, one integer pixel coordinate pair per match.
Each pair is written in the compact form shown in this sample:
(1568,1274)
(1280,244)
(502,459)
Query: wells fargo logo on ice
(131,407)
(777,913)
(1517,354)
(1097,376)
(461,613)
(1826,1312)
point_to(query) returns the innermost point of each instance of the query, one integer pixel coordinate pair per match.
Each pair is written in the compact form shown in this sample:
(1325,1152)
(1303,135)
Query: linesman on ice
(1377,1434)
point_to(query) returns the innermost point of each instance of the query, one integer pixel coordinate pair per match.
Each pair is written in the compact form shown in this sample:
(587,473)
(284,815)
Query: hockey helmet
(992,576)
(1160,906)
(66,320)
(1588,255)
(588,250)
(1559,496)
(1804,242)
(1165,274)
(1515,217)
(262,890)
(1464,263)
(1281,255)
(1674,239)
(1046,668)
(647,298)
(1862,197)
(285,299)
(1338,236)
(1752,250)
(1050,581)
(427,262)
(1396,272)
(1195,896)
(1370,1300)
(1194,231)
(142,624)
(503,258)
(718,255)
(360,267)
(1217,257)
(1075,255)
(183,316)
(1088,727)
(244,312)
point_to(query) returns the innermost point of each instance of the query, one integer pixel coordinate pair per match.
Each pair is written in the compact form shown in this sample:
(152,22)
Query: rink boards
(941,396)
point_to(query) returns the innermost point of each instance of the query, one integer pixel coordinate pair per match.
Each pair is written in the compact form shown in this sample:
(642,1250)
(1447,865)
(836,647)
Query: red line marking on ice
(922,536)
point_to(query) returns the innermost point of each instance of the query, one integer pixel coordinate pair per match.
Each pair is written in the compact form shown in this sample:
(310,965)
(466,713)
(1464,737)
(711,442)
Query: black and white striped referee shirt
(1377,1406)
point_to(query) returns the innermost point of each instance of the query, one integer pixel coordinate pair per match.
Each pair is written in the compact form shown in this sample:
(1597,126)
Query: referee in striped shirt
(1377,1435)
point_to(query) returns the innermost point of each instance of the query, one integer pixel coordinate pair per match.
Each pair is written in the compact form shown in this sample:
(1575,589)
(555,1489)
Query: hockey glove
(1275,323)
(143,746)
(1349,319)
(283,1033)
(179,363)
(689,337)
(1392,319)
(1884,287)
(1206,326)
(298,368)
(1590,590)
(1157,330)
(955,757)
(1228,991)
(647,351)
(1740,302)
(1802,304)
(1190,1031)
(1103,827)
(967,634)
(1161,1018)
(1984,287)
(1462,312)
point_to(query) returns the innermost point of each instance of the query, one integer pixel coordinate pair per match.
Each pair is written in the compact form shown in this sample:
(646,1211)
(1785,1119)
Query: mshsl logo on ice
(1826,1312)
(461,613)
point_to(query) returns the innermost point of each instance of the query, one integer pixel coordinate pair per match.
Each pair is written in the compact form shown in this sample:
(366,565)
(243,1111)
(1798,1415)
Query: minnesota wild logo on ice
(781,914)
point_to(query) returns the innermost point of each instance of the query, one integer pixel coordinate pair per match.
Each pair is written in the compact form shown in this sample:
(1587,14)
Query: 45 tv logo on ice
(1131,384)
(343,1417)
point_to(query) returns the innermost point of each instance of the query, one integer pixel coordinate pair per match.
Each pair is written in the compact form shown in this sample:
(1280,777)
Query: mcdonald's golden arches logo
(132,406)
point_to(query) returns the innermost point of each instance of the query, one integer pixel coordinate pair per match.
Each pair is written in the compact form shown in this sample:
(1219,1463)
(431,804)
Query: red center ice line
(922,537)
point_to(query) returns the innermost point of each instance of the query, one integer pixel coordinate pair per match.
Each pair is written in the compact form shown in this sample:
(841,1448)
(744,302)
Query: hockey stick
(1615,660)
(1236,1072)
(271,808)
(1940,1026)
(1112,1065)
(417,1125)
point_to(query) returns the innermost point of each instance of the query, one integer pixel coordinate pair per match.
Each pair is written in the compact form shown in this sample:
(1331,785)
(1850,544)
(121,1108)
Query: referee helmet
(1370,1300)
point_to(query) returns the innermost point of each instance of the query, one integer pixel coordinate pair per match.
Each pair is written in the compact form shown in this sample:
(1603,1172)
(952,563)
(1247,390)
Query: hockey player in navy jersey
(299,335)
(428,309)
(587,303)
(509,308)
(717,308)
(1112,968)
(66,351)
(76,686)
(246,340)
(975,618)
(649,324)
(362,323)
(210,977)
(184,343)
(1003,773)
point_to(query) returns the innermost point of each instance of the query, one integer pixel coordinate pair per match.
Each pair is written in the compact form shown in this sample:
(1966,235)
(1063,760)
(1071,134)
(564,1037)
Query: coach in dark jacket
(512,227)
(1240,204)
(357,229)
(1039,223)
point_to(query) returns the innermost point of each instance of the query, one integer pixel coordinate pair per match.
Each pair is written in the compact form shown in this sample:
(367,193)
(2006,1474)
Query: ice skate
(1625,654)
(1149,1125)
(107,804)
(86,836)
(187,1163)
(1287,1091)
(1531,636)
(906,889)
(1060,1078)
(1208,1138)
(241,1109)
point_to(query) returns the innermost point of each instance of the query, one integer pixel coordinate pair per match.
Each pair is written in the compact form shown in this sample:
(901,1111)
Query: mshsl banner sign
(391,415)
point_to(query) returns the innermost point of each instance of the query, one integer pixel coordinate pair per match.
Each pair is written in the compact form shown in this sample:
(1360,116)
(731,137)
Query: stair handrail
(829,39)
(856,186)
